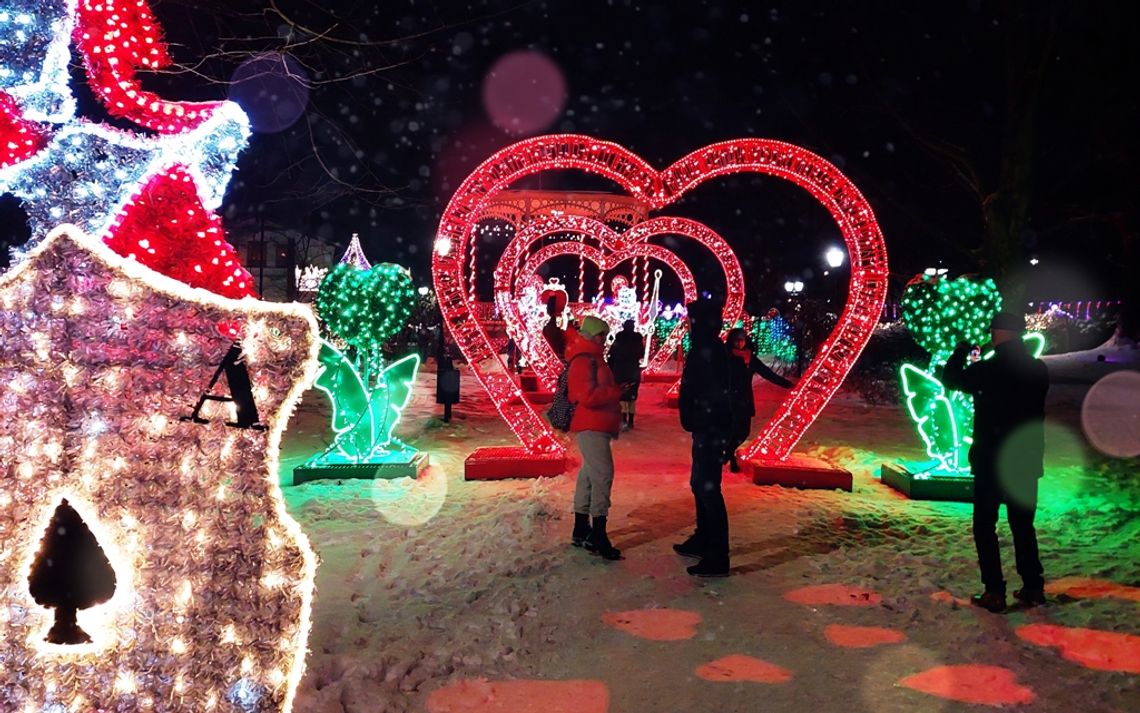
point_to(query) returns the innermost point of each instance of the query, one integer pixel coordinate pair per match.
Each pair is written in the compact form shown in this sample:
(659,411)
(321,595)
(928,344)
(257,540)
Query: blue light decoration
(85,172)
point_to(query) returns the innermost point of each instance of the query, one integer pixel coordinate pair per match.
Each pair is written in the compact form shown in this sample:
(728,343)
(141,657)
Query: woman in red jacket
(596,422)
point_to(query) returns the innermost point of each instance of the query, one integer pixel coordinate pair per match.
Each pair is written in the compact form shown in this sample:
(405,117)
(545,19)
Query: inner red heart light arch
(856,221)
(518,264)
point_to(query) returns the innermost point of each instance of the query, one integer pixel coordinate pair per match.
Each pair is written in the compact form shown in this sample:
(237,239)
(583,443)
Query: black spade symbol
(70,573)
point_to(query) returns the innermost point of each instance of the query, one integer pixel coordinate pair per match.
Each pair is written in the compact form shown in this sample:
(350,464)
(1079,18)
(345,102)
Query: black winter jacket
(1009,408)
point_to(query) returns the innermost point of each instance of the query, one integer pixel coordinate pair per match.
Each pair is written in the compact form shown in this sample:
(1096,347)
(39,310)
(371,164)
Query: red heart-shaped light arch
(864,241)
(612,249)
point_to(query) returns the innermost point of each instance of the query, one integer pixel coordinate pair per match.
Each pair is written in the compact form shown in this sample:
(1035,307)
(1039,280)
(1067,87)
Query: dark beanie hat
(1008,321)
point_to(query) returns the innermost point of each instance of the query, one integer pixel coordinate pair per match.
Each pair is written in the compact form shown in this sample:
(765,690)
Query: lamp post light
(794,288)
(423,291)
(834,257)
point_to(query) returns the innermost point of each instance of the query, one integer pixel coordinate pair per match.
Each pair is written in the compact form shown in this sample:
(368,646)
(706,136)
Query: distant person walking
(596,422)
(707,413)
(551,332)
(742,365)
(625,357)
(1007,455)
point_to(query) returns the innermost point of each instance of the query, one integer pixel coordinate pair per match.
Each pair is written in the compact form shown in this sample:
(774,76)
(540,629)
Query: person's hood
(704,319)
(577,344)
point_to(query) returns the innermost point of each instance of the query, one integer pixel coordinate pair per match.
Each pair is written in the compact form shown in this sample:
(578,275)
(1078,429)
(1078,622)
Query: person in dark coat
(553,335)
(707,412)
(1007,455)
(743,364)
(625,357)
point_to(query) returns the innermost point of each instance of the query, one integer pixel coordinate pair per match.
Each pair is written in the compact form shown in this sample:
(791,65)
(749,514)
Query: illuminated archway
(541,453)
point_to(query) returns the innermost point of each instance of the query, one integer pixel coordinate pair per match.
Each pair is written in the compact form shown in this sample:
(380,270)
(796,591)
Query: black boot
(692,547)
(990,601)
(598,542)
(710,567)
(629,417)
(581,529)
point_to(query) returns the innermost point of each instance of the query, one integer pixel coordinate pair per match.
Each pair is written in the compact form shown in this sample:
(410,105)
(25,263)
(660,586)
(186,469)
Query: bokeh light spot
(410,502)
(1110,414)
(738,667)
(483,696)
(1091,648)
(524,92)
(272,89)
(971,683)
(655,624)
(840,595)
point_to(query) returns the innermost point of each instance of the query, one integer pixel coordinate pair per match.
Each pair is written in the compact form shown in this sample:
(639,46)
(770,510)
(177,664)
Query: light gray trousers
(596,478)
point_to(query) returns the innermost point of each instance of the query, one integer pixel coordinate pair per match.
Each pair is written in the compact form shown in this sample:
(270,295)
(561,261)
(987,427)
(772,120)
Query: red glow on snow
(1091,648)
(862,637)
(739,667)
(1090,588)
(863,240)
(840,595)
(655,624)
(483,696)
(971,683)
(945,597)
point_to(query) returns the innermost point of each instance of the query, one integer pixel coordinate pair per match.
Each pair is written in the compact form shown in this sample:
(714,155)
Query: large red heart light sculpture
(541,452)
(518,264)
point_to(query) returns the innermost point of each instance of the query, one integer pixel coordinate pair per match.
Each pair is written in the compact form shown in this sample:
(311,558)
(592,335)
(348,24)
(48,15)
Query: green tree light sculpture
(364,309)
(939,314)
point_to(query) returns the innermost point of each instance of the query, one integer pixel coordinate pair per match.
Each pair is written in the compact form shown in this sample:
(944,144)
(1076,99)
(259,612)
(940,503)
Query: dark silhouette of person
(1007,455)
(626,352)
(707,413)
(743,363)
(554,336)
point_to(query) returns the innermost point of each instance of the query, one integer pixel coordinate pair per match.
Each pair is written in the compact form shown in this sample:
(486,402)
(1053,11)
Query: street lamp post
(794,288)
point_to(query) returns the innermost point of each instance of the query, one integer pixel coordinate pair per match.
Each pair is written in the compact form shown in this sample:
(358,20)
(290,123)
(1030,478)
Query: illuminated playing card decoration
(148,562)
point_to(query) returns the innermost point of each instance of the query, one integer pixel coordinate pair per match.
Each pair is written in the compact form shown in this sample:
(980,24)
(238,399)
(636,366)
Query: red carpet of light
(739,667)
(655,624)
(971,683)
(862,637)
(1102,650)
(1091,588)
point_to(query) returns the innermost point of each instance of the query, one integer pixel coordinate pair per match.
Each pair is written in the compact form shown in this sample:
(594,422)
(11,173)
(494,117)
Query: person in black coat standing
(707,413)
(743,363)
(1007,455)
(625,362)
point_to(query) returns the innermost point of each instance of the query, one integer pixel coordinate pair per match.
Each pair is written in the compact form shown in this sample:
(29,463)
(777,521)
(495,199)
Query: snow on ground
(447,596)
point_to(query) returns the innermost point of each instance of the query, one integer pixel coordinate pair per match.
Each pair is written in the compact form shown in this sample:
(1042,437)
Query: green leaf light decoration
(940,314)
(365,308)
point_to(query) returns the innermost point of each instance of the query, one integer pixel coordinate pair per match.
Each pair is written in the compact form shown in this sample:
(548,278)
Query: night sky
(910,100)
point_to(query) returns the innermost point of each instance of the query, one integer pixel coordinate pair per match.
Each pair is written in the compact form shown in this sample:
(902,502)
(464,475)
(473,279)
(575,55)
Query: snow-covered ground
(447,596)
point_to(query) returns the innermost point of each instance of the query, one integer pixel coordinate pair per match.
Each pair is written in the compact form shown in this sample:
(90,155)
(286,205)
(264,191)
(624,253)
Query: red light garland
(165,227)
(118,38)
(856,221)
(19,137)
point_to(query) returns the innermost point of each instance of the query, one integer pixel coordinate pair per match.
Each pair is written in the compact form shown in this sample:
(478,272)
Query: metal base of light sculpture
(405,462)
(798,471)
(502,462)
(956,487)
